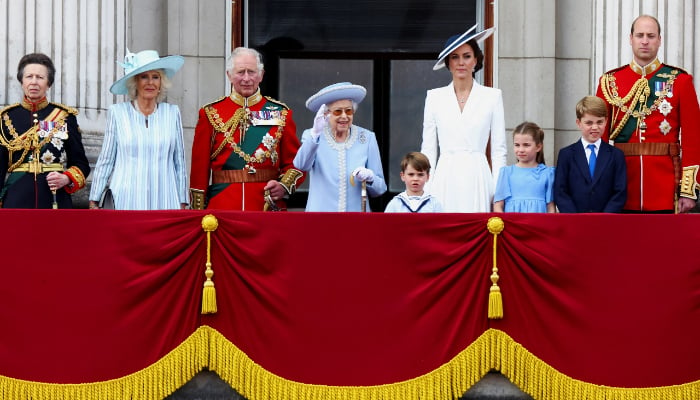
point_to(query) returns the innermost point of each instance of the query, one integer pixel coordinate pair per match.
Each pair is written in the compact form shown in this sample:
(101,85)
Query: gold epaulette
(612,71)
(9,107)
(681,70)
(277,102)
(214,102)
(68,109)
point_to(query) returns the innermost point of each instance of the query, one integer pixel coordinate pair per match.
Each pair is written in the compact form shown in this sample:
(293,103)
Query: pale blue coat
(329,165)
(143,166)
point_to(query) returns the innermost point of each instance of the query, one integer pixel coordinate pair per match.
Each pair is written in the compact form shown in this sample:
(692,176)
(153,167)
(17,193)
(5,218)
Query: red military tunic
(241,149)
(648,109)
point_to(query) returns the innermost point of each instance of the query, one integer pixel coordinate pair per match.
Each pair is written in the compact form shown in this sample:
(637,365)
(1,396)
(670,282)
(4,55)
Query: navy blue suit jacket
(574,189)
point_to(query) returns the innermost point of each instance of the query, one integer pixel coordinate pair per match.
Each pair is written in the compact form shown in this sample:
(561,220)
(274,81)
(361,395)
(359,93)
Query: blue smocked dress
(525,189)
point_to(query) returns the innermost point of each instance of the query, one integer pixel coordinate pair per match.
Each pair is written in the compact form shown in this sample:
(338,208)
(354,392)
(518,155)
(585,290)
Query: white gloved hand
(320,122)
(363,174)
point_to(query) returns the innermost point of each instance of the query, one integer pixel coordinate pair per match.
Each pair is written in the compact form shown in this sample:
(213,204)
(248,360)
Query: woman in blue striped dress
(142,161)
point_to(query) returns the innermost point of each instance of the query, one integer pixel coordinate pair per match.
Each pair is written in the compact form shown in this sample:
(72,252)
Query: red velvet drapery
(349,299)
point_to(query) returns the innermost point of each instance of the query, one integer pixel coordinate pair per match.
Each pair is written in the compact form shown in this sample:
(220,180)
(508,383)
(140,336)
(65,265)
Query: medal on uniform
(45,127)
(659,88)
(665,107)
(266,118)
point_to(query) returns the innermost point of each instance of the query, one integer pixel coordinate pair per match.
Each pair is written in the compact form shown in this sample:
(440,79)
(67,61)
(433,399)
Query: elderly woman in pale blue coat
(142,160)
(338,155)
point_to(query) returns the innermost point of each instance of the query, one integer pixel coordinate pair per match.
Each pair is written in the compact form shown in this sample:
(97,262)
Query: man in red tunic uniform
(652,106)
(245,143)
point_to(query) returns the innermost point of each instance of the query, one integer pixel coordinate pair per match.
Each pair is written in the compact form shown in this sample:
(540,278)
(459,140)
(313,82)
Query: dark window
(363,26)
(387,46)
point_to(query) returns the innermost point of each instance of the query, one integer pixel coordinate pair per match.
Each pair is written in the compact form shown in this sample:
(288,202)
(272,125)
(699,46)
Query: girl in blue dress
(527,185)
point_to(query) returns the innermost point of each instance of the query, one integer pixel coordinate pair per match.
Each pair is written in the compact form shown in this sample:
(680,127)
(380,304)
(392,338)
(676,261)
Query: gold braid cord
(638,95)
(495,226)
(29,140)
(209,224)
(227,128)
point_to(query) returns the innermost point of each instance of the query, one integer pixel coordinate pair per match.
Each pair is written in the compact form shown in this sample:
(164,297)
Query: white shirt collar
(585,144)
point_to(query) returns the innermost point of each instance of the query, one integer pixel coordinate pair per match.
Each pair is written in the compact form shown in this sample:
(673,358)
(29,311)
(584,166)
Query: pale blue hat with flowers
(457,40)
(335,92)
(146,60)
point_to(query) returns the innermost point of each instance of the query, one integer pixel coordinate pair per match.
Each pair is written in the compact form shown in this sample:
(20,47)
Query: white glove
(363,174)
(320,122)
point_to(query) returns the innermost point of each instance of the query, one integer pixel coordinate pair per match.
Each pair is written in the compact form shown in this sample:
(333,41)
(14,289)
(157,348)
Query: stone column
(198,31)
(527,66)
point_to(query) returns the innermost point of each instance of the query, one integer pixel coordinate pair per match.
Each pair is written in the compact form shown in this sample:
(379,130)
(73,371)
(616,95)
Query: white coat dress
(455,142)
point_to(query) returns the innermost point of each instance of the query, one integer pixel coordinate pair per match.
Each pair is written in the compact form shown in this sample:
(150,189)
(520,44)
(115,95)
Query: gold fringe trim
(495,226)
(154,382)
(493,350)
(255,383)
(541,381)
(207,348)
(209,224)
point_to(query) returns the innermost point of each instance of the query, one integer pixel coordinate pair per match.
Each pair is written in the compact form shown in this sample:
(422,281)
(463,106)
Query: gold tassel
(495,302)
(209,293)
(209,224)
(495,226)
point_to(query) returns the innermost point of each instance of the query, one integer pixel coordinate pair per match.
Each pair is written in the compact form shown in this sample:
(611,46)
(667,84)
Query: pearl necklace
(136,104)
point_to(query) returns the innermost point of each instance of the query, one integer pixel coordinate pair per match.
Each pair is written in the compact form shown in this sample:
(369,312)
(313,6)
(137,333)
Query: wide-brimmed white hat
(335,92)
(143,61)
(457,40)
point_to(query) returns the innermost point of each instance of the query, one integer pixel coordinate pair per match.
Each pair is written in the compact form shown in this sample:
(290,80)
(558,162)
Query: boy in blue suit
(591,175)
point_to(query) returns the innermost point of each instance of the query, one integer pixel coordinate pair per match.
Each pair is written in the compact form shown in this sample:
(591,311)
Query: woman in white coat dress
(459,120)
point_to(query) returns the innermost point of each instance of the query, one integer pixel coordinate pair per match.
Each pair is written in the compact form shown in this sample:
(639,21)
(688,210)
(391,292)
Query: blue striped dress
(144,166)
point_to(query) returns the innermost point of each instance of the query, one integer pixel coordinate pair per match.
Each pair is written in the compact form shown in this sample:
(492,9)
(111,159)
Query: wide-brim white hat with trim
(457,40)
(335,92)
(146,60)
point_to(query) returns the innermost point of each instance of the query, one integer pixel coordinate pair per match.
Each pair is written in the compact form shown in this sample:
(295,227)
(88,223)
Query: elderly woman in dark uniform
(42,159)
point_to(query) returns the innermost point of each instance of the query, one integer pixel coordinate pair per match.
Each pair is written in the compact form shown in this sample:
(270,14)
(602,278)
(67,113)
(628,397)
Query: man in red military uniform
(652,106)
(246,144)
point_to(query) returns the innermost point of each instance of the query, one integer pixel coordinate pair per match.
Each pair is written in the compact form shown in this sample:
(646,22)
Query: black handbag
(106,200)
